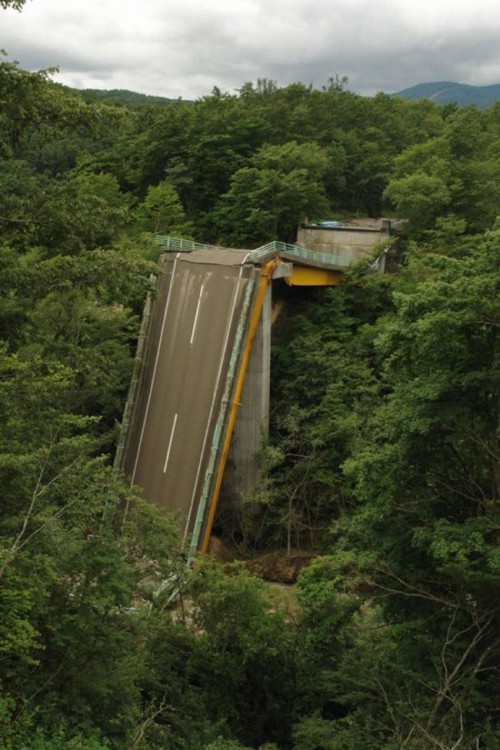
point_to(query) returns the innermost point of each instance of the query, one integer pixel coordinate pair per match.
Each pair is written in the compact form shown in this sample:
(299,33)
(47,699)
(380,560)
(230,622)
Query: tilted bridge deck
(192,356)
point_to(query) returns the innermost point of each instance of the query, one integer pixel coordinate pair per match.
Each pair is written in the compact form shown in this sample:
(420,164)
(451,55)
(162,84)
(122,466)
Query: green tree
(161,212)
(419,197)
(246,644)
(269,199)
(83,212)
(422,186)
(423,540)
(36,111)
(72,588)
(323,387)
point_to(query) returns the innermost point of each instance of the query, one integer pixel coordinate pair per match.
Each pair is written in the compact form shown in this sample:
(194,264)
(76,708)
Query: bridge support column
(252,424)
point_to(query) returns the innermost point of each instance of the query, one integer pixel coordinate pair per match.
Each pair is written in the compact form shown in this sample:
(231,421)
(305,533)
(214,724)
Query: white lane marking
(216,388)
(196,315)
(170,444)
(154,370)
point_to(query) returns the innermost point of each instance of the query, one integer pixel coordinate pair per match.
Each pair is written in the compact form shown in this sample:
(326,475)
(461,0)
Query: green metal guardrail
(176,243)
(284,249)
(296,252)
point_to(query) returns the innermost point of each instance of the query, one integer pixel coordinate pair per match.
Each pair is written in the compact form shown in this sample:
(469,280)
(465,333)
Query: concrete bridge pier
(252,423)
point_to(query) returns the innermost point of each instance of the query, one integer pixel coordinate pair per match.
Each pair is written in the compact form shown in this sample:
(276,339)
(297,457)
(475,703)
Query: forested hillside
(446,92)
(130,99)
(383,457)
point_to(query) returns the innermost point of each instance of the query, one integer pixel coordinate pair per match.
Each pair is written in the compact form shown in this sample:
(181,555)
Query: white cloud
(185,48)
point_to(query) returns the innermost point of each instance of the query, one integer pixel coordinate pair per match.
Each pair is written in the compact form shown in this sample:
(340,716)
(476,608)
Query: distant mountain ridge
(123,97)
(440,92)
(448,92)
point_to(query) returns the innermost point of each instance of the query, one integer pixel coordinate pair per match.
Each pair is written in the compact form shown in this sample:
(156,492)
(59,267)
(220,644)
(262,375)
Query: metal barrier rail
(176,243)
(288,251)
(297,252)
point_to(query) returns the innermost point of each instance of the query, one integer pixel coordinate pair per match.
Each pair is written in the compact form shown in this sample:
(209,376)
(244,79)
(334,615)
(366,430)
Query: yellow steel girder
(302,276)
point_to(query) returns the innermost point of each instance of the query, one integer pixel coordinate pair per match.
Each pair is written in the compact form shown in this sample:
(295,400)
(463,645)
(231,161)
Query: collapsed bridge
(203,352)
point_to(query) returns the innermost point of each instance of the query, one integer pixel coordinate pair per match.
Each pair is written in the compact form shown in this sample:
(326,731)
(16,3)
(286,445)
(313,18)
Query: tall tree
(268,199)
(424,538)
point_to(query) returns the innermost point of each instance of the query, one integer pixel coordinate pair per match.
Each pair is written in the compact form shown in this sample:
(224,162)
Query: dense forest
(383,457)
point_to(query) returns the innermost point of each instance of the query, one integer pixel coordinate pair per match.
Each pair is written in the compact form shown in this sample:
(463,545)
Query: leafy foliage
(383,452)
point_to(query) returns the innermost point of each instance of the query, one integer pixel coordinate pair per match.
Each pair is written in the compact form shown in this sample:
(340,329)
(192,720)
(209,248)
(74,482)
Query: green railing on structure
(176,243)
(296,252)
(260,254)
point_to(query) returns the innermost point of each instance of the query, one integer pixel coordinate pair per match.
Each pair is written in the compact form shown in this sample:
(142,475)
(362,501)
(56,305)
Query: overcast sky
(186,47)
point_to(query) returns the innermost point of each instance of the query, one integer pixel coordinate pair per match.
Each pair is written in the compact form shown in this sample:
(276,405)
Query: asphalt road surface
(189,343)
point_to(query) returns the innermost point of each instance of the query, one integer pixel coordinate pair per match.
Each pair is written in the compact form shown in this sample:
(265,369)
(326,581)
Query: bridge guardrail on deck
(296,252)
(261,254)
(177,243)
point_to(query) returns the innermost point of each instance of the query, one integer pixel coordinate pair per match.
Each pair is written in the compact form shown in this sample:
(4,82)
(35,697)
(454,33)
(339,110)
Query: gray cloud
(187,48)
